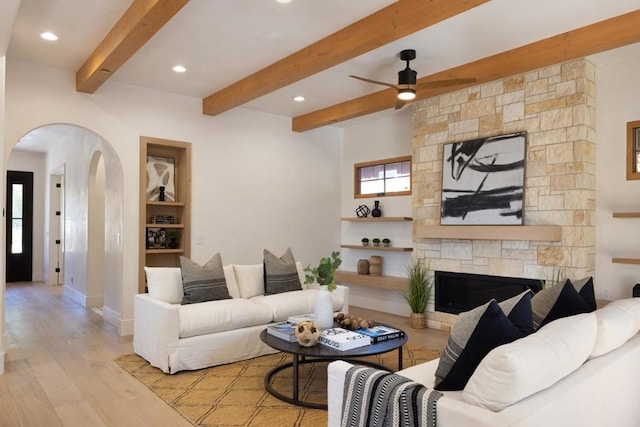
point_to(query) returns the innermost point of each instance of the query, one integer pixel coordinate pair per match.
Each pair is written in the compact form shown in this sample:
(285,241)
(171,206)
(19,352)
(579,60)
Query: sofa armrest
(336,372)
(156,330)
(343,292)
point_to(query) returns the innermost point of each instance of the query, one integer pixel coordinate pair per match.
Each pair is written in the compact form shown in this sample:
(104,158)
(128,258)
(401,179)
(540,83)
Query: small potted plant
(325,276)
(174,237)
(418,293)
(365,241)
(376,242)
(386,242)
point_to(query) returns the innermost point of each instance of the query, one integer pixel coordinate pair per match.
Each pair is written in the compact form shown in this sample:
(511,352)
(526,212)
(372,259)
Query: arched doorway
(91,227)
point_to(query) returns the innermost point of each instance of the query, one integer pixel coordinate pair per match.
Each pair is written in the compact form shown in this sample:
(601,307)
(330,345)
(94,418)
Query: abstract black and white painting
(483,181)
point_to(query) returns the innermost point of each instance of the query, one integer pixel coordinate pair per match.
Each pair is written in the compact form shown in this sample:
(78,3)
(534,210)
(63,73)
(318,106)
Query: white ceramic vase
(323,313)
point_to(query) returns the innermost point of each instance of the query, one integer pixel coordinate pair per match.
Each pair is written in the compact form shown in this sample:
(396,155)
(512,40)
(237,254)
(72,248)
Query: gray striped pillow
(280,274)
(202,284)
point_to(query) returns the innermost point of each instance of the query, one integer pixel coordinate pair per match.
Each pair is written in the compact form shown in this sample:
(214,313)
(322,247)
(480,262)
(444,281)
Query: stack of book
(162,219)
(283,330)
(295,320)
(381,333)
(343,339)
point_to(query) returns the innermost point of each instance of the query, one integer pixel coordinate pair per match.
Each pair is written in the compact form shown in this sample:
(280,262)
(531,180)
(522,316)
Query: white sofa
(175,337)
(580,371)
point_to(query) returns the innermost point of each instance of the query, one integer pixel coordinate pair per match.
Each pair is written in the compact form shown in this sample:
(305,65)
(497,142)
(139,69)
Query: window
(388,177)
(633,150)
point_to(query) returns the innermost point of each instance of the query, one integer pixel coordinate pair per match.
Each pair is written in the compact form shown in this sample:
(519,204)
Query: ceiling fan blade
(400,103)
(444,83)
(374,82)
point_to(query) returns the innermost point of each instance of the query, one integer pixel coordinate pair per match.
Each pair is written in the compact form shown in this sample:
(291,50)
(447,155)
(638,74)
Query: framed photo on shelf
(156,238)
(483,181)
(161,173)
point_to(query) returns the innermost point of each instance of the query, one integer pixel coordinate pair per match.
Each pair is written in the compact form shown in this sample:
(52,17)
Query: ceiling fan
(407,80)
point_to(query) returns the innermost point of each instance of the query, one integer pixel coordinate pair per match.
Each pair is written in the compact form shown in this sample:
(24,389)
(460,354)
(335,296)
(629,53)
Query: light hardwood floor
(61,371)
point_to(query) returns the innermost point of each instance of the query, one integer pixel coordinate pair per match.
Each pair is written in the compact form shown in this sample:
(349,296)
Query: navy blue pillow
(492,329)
(563,300)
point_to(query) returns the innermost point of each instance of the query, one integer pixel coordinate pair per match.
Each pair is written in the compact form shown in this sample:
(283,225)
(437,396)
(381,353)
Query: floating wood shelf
(378,248)
(626,214)
(626,261)
(545,233)
(381,282)
(157,203)
(379,219)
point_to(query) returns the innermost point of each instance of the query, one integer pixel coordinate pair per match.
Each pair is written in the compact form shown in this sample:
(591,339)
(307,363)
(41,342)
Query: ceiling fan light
(406,94)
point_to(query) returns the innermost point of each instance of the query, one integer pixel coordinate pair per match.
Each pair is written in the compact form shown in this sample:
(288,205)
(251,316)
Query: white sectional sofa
(581,371)
(175,337)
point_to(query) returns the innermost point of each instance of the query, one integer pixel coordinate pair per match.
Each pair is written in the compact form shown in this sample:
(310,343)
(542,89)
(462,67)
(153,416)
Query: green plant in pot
(386,242)
(325,275)
(418,292)
(376,242)
(365,241)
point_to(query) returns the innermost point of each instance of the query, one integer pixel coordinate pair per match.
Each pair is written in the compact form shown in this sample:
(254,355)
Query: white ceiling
(221,41)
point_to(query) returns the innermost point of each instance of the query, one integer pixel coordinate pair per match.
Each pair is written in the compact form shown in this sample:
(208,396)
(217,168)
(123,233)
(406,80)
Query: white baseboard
(74,295)
(3,350)
(126,328)
(112,317)
(94,301)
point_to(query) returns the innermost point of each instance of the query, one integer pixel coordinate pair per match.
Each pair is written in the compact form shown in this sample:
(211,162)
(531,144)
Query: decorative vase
(161,194)
(418,320)
(375,265)
(323,313)
(173,243)
(376,212)
(363,266)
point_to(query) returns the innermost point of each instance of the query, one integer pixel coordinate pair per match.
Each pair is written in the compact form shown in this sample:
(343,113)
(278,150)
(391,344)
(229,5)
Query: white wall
(617,86)
(375,139)
(34,162)
(256,184)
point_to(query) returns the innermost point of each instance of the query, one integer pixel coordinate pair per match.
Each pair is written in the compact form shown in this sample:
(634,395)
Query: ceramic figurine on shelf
(362,211)
(161,195)
(376,212)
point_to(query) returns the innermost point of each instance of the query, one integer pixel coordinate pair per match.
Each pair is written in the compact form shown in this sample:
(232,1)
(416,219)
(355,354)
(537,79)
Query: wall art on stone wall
(483,181)
(161,173)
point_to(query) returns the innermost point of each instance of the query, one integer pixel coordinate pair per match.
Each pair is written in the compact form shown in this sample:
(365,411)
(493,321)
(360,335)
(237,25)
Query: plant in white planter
(365,241)
(376,242)
(325,276)
(386,242)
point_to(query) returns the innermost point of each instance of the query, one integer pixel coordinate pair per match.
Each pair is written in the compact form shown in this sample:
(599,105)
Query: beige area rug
(234,394)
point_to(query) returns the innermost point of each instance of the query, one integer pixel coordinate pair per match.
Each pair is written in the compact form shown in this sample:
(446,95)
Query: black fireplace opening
(458,292)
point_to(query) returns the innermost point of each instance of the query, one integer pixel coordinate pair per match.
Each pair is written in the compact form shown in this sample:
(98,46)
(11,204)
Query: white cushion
(250,280)
(511,372)
(230,278)
(618,321)
(222,315)
(165,283)
(293,303)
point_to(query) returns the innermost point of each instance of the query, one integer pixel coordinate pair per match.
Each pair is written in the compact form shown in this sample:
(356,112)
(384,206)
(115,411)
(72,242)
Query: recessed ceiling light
(298,98)
(49,36)
(179,69)
(283,1)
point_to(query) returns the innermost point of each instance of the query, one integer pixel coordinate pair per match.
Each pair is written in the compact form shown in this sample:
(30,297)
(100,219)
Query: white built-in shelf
(626,214)
(381,282)
(378,219)
(544,233)
(378,248)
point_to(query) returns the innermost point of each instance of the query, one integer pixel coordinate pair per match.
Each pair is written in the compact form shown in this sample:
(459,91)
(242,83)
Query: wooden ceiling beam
(599,37)
(134,28)
(391,23)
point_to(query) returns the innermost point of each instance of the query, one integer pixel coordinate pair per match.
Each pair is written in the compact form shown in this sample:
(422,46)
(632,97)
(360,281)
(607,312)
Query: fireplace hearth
(458,292)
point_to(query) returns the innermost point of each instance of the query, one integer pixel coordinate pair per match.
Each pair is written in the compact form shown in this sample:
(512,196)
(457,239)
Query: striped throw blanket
(375,398)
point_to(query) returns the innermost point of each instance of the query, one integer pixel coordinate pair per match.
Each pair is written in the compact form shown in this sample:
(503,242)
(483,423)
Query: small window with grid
(379,178)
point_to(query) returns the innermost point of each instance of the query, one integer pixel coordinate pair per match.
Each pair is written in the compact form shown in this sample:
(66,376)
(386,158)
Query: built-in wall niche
(165,204)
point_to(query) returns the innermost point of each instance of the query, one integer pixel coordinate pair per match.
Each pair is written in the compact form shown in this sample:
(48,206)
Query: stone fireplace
(556,107)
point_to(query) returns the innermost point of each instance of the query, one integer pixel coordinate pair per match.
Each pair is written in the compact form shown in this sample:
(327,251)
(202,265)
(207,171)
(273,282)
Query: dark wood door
(19,247)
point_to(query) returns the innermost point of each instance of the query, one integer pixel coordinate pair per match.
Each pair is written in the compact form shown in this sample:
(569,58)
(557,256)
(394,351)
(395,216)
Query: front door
(19,231)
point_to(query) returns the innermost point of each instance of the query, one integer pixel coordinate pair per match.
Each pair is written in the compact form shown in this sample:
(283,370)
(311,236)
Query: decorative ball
(351,322)
(307,333)
(363,211)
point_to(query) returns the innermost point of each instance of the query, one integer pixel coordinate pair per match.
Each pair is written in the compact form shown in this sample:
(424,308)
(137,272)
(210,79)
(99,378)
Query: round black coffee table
(303,355)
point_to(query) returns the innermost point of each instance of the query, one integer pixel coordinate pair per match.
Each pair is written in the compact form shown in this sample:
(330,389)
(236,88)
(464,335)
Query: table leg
(295,377)
(400,358)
